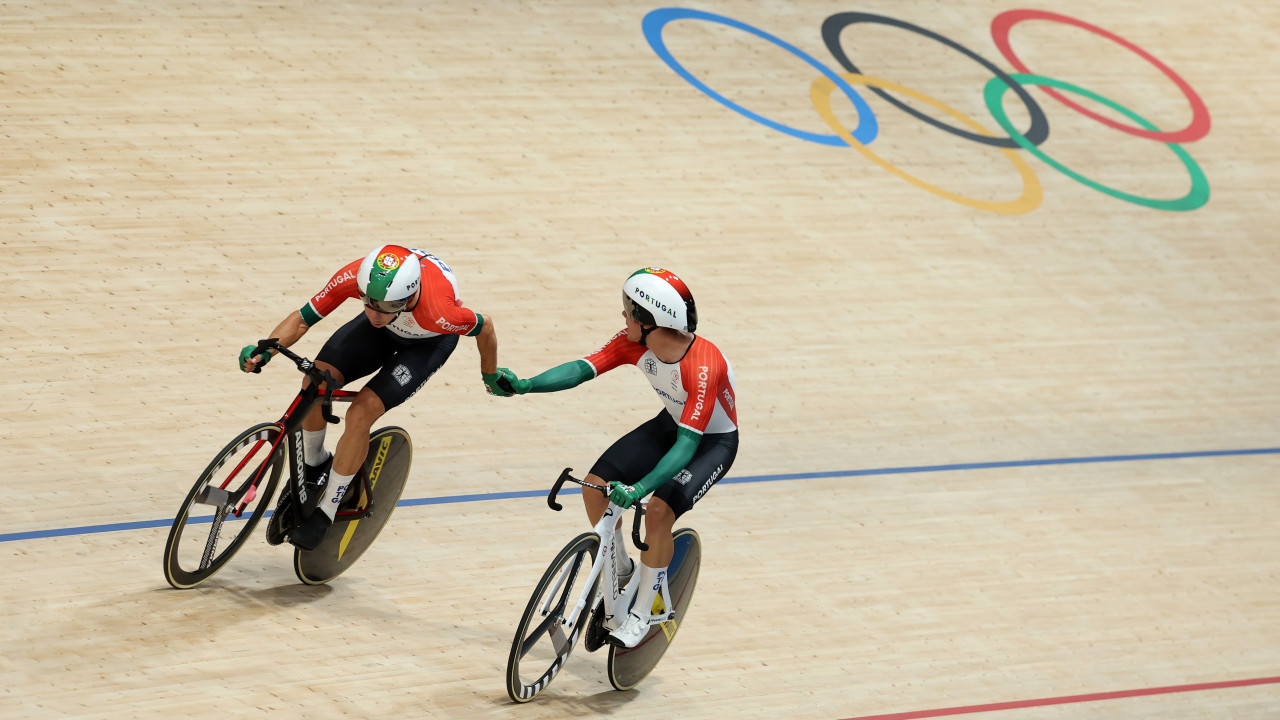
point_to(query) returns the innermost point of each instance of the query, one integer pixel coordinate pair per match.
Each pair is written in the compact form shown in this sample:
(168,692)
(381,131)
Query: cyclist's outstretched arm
(560,377)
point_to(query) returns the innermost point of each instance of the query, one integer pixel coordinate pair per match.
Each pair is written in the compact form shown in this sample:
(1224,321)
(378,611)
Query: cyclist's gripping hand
(504,383)
(492,383)
(250,362)
(624,496)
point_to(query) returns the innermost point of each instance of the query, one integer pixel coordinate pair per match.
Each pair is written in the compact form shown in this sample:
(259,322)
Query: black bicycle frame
(319,389)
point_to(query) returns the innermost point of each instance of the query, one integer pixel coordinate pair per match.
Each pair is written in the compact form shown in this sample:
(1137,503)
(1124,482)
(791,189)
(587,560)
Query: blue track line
(448,499)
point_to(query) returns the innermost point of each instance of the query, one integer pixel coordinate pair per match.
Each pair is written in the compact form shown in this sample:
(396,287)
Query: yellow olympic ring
(1032,192)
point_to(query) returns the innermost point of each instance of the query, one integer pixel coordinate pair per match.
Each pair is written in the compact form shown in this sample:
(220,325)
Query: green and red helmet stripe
(383,273)
(672,279)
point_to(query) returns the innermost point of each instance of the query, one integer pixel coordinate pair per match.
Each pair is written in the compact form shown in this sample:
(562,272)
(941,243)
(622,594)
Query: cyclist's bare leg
(594,501)
(354,444)
(352,448)
(653,563)
(658,521)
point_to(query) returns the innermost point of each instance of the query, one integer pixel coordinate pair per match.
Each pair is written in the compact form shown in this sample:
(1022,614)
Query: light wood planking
(179,176)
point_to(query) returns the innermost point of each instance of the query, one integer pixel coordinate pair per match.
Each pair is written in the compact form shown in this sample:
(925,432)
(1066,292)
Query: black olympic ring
(1036,134)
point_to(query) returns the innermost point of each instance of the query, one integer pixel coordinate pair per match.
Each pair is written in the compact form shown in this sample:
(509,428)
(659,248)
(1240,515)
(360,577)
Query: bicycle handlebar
(560,481)
(322,378)
(566,477)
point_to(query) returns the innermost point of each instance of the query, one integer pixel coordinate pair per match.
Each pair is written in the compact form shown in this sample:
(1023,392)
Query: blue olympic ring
(867,130)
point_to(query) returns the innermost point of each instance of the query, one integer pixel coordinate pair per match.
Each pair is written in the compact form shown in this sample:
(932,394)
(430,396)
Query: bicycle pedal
(275,535)
(354,500)
(276,528)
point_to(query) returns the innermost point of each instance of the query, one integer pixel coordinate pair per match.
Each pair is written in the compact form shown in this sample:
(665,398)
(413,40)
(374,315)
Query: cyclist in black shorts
(410,325)
(680,453)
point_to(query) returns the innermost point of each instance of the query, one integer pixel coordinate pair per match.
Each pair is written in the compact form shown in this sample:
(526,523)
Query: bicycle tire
(574,561)
(628,666)
(208,491)
(387,467)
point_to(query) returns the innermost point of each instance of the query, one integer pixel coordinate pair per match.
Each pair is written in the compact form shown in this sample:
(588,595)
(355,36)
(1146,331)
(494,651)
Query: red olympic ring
(1199,126)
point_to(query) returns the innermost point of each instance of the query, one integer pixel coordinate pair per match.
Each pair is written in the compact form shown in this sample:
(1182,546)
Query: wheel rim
(208,529)
(543,643)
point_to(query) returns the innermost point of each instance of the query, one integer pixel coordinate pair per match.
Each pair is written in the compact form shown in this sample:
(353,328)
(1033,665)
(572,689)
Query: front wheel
(542,643)
(237,486)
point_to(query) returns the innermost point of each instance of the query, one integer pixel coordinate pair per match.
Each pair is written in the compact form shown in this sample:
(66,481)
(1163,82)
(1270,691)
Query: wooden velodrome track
(178,176)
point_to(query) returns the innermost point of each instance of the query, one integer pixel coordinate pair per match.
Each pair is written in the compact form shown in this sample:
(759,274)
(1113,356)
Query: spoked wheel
(628,666)
(542,643)
(360,518)
(223,507)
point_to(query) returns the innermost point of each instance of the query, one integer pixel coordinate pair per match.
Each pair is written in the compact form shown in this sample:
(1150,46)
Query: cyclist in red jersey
(679,454)
(410,325)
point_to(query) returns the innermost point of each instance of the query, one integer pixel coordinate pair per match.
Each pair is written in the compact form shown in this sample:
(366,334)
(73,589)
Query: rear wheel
(628,666)
(360,517)
(237,487)
(542,643)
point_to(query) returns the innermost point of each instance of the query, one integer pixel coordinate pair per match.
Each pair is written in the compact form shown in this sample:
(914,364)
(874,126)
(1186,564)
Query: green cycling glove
(247,352)
(504,383)
(624,496)
(492,385)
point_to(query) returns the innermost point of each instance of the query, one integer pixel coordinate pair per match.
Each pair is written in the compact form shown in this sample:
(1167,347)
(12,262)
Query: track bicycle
(239,482)
(585,571)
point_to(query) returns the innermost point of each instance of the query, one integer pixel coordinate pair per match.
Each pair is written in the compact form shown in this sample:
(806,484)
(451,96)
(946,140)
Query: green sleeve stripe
(479,326)
(674,461)
(562,377)
(309,315)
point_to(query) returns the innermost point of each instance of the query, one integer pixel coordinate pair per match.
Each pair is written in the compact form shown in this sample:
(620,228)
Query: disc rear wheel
(628,666)
(385,471)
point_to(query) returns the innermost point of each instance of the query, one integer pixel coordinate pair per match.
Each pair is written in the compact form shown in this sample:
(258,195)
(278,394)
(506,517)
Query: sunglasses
(387,307)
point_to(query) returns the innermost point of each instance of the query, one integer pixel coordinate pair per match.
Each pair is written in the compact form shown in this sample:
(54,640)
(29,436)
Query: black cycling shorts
(404,366)
(635,454)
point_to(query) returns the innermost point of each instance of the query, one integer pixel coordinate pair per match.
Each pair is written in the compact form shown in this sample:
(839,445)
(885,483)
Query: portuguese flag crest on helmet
(390,273)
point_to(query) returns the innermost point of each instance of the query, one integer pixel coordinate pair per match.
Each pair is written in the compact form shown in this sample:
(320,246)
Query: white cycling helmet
(653,296)
(388,278)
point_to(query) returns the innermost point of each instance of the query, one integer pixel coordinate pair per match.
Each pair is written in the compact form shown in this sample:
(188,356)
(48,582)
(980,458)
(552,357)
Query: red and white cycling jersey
(438,312)
(698,390)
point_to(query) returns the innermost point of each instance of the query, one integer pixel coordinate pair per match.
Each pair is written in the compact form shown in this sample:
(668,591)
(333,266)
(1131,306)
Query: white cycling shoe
(633,630)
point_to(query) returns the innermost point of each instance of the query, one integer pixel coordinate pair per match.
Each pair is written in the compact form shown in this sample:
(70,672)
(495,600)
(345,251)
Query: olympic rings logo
(993,93)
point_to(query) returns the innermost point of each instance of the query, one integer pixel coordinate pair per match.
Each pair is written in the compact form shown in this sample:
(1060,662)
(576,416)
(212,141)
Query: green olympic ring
(1195,198)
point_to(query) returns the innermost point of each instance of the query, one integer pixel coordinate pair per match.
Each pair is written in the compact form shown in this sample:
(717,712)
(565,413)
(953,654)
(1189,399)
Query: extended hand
(504,383)
(624,496)
(250,362)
